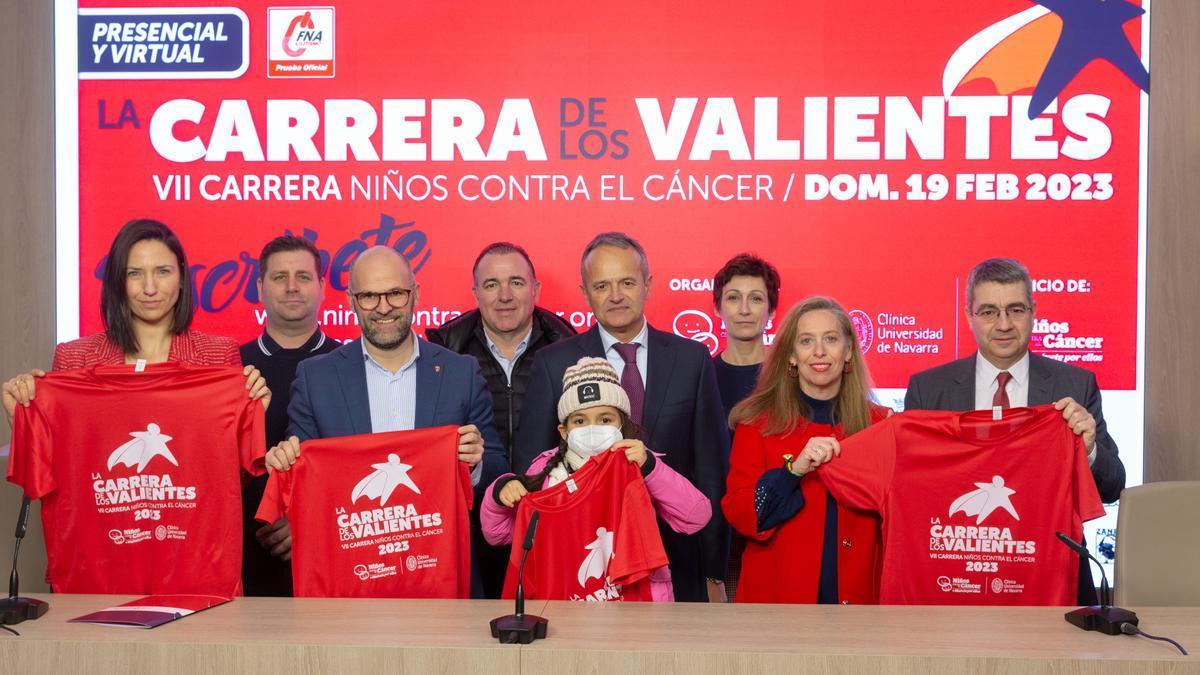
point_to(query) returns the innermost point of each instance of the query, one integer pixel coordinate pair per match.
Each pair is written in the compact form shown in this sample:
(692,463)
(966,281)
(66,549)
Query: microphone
(528,545)
(521,628)
(1103,617)
(15,609)
(1105,592)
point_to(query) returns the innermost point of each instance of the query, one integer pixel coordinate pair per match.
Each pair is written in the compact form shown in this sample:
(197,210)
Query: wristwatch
(788,460)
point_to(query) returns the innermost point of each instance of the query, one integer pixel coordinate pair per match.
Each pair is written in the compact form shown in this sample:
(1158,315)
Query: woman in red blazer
(147,306)
(801,545)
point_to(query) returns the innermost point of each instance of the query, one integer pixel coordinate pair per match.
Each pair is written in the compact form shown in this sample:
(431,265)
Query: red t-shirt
(597,537)
(970,506)
(140,476)
(377,515)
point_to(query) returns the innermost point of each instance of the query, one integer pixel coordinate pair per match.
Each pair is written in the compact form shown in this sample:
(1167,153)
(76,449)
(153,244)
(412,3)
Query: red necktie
(1001,397)
(631,379)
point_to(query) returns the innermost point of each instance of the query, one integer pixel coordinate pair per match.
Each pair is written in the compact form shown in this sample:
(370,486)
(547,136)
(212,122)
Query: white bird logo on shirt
(383,481)
(595,565)
(989,497)
(145,446)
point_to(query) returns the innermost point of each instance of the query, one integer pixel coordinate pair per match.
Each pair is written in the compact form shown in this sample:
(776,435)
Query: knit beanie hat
(589,383)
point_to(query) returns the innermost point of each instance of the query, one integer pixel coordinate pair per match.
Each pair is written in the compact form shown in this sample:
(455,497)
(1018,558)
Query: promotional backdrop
(873,151)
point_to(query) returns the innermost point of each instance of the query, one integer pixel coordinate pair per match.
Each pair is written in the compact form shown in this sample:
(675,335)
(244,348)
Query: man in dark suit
(502,334)
(673,395)
(1000,309)
(391,380)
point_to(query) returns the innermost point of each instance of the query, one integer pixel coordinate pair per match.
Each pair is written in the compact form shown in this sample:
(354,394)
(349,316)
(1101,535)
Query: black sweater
(464,335)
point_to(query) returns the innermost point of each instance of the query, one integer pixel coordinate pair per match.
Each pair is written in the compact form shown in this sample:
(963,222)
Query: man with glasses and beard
(392,380)
(1005,374)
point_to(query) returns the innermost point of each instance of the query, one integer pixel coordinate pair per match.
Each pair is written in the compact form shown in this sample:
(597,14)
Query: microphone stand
(1103,617)
(521,628)
(15,609)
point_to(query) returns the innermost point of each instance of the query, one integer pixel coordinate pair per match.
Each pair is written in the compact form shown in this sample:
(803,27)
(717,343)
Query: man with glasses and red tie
(1005,374)
(392,380)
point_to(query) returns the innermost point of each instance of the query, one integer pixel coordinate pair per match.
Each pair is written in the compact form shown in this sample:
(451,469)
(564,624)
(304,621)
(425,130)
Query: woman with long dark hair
(147,306)
(814,389)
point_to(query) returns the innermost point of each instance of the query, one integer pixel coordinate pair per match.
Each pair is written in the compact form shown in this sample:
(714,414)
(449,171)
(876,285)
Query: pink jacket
(680,505)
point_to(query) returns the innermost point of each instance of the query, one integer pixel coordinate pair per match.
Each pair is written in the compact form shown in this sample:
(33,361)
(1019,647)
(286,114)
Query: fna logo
(300,41)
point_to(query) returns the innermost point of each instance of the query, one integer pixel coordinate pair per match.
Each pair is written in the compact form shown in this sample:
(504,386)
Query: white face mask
(592,439)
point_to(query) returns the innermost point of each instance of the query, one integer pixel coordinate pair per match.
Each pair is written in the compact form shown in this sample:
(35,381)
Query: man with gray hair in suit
(673,397)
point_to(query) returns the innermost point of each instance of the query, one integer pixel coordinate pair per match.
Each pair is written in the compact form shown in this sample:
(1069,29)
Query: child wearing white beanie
(593,415)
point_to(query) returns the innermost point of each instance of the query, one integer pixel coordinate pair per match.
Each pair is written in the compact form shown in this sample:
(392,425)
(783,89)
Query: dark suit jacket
(464,335)
(952,387)
(329,399)
(682,418)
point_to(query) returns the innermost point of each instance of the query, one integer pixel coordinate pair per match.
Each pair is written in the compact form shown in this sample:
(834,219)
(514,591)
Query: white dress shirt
(985,383)
(1018,387)
(392,397)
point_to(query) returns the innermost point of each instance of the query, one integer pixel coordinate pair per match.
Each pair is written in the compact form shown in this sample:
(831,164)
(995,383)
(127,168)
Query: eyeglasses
(1013,312)
(397,298)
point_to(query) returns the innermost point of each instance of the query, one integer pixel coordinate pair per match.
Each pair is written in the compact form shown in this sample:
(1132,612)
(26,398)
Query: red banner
(873,151)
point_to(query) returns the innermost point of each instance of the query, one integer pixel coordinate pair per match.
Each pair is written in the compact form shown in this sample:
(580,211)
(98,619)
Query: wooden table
(699,639)
(267,635)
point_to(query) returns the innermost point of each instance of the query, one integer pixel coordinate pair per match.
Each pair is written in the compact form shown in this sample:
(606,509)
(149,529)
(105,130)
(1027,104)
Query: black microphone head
(23,517)
(531,530)
(1071,543)
(1081,550)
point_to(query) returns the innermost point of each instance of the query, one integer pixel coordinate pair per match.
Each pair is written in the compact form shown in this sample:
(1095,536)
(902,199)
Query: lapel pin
(437,369)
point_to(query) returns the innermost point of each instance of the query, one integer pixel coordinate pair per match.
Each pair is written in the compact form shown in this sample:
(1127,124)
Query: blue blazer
(683,418)
(329,399)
